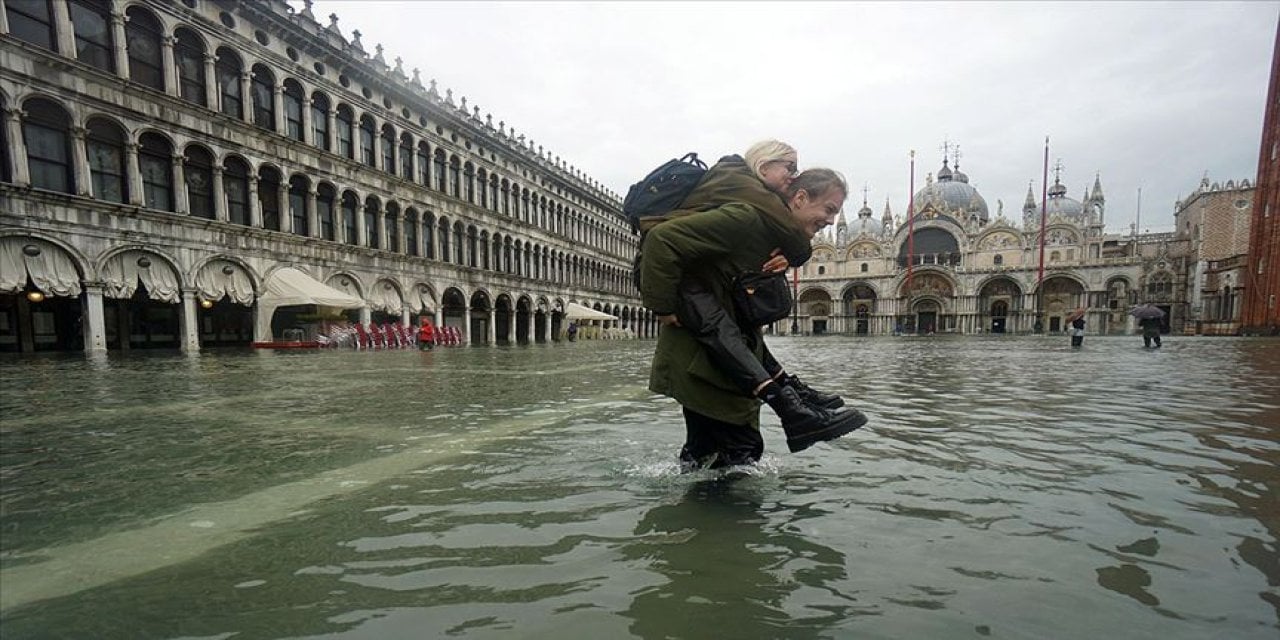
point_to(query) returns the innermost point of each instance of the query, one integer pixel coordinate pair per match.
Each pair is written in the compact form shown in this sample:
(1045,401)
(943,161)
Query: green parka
(738,224)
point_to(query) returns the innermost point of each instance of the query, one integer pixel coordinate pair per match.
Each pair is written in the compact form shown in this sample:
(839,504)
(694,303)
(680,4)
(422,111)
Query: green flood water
(1005,487)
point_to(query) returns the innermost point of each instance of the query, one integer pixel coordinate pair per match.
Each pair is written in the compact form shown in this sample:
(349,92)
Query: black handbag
(761,298)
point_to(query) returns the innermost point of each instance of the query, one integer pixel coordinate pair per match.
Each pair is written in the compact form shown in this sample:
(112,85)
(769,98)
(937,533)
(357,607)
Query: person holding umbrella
(1148,316)
(1076,321)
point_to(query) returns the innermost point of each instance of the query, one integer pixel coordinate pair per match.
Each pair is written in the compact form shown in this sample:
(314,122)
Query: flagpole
(1044,217)
(911,217)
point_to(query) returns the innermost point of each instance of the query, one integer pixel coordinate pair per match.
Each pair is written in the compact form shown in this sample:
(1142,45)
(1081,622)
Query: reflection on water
(1002,488)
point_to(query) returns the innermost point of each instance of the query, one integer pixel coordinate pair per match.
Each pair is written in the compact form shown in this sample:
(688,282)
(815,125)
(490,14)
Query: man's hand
(669,320)
(776,263)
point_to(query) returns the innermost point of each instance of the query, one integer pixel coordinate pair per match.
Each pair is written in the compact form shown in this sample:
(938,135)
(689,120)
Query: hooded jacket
(738,224)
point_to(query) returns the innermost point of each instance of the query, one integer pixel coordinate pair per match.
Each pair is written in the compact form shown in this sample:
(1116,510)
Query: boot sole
(853,419)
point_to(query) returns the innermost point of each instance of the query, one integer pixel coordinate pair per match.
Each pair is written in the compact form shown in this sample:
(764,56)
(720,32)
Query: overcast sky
(1149,95)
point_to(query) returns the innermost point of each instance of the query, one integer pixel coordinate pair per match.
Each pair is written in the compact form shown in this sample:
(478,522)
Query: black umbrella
(1142,312)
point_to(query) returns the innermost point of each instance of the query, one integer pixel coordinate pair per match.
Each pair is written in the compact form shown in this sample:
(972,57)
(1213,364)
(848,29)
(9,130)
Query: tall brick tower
(1262,306)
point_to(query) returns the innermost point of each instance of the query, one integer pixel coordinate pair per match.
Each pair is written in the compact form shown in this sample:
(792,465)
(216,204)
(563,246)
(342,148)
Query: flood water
(1004,488)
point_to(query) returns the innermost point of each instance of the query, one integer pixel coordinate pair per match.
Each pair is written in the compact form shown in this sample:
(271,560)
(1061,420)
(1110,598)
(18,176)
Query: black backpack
(663,189)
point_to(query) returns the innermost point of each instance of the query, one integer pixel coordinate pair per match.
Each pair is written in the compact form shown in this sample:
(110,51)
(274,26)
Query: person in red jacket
(426,335)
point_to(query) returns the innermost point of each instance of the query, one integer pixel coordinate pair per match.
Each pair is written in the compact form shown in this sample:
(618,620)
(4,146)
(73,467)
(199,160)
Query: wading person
(688,270)
(426,335)
(760,177)
(1076,321)
(1150,331)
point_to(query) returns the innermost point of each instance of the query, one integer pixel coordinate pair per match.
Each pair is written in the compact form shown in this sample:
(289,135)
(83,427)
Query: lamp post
(795,301)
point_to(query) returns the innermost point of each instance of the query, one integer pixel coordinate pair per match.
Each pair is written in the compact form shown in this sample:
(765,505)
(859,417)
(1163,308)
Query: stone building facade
(168,161)
(974,272)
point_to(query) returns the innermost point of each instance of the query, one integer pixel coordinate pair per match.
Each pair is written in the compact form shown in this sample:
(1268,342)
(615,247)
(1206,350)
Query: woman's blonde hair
(767,151)
(817,183)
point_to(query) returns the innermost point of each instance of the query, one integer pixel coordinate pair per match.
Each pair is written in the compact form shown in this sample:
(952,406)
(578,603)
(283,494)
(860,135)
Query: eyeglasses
(790,166)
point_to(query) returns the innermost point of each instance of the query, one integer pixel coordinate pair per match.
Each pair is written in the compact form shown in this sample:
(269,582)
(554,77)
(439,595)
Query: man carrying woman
(717,369)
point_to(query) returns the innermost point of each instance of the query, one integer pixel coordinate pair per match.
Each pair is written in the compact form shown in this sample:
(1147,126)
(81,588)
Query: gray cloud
(1149,95)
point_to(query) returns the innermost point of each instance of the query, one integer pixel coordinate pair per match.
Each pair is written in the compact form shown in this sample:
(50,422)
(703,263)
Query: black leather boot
(806,425)
(813,396)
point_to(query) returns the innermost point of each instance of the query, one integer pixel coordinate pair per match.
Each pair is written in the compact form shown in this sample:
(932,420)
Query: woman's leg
(714,444)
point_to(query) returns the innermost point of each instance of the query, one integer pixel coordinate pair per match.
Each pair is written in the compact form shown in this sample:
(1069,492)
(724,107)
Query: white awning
(290,286)
(576,311)
(51,270)
(223,278)
(123,272)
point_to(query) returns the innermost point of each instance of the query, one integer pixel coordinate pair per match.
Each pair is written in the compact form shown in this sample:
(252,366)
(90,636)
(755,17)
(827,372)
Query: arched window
(350,206)
(346,133)
(506,198)
(440,171)
(411,232)
(298,188)
(367,135)
(142,39)
(406,156)
(429,236)
(863,268)
(91,22)
(457,243)
(45,131)
(455,177)
(482,182)
(389,149)
(998,260)
(293,97)
(263,90)
(320,121)
(104,144)
(493,192)
(188,52)
(235,185)
(473,257)
(371,207)
(31,21)
(269,197)
(524,206)
(325,195)
(229,70)
(393,226)
(197,170)
(424,164)
(470,181)
(155,162)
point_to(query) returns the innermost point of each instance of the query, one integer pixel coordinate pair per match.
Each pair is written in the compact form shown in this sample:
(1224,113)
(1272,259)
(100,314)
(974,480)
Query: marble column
(313,216)
(362,234)
(380,228)
(438,315)
(17,147)
(190,324)
(278,108)
(255,207)
(404,316)
(332,142)
(366,315)
(528,330)
(119,44)
(133,173)
(282,203)
(169,66)
(492,337)
(212,97)
(95,325)
(466,326)
(219,196)
(308,135)
(65,34)
(4,18)
(180,201)
(80,162)
(246,97)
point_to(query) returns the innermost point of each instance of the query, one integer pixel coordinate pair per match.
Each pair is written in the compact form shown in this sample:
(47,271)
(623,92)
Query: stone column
(277,107)
(169,66)
(404,316)
(255,207)
(190,325)
(246,97)
(4,19)
(308,136)
(546,327)
(466,326)
(118,42)
(313,216)
(180,202)
(282,203)
(492,337)
(213,97)
(65,36)
(366,315)
(80,162)
(133,173)
(332,116)
(219,196)
(380,228)
(402,238)
(528,330)
(362,234)
(95,325)
(17,147)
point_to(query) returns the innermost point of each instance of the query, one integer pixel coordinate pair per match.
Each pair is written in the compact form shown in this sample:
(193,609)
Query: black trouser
(730,348)
(714,444)
(1077,341)
(1147,339)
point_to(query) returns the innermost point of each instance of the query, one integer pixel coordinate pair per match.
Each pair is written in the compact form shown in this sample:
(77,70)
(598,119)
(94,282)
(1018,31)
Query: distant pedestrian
(1076,320)
(1150,331)
(426,335)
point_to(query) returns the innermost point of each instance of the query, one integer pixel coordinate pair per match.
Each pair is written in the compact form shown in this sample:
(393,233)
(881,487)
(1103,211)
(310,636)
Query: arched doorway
(860,301)
(1061,295)
(226,304)
(502,319)
(40,298)
(480,306)
(453,310)
(926,313)
(524,317)
(998,299)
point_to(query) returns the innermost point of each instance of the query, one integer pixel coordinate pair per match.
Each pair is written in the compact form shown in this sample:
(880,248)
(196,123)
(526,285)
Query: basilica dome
(948,194)
(1060,204)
